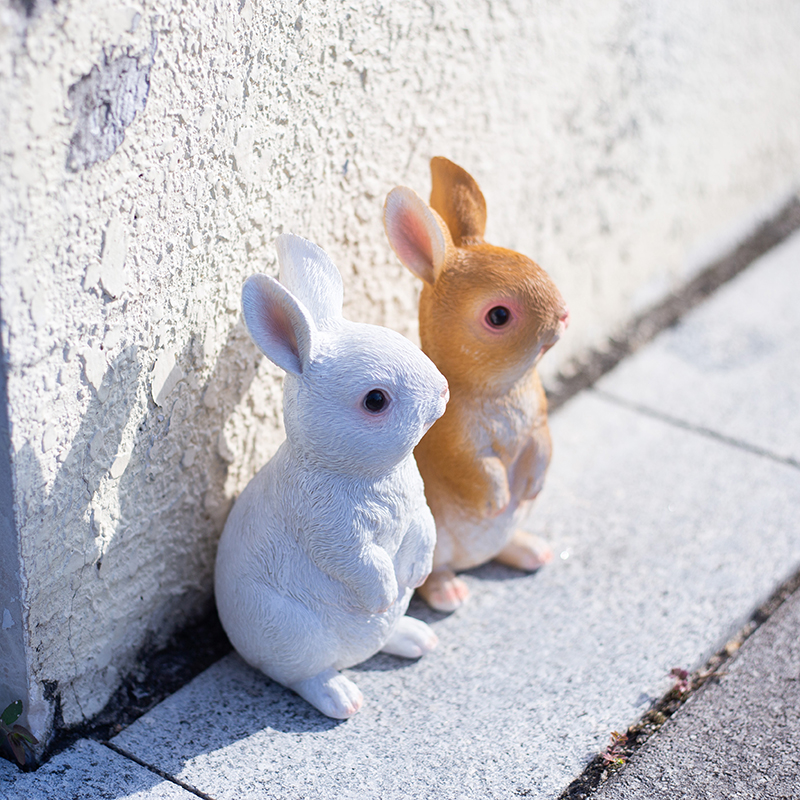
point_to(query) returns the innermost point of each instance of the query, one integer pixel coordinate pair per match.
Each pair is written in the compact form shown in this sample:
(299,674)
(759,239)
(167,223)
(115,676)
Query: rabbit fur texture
(324,547)
(486,317)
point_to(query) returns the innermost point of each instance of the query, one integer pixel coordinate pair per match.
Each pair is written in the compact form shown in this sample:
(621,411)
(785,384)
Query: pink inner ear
(281,338)
(281,327)
(413,244)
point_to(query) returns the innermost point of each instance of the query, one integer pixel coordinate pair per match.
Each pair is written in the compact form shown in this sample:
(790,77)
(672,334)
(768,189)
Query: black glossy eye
(498,316)
(375,401)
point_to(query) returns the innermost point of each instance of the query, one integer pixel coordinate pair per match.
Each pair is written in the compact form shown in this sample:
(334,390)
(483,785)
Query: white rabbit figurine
(324,547)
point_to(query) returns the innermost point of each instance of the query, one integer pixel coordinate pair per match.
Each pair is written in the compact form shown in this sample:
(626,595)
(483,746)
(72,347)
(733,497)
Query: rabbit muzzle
(563,324)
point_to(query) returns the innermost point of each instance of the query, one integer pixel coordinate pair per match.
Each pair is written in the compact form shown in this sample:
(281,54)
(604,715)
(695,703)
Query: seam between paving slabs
(161,774)
(692,428)
(598,770)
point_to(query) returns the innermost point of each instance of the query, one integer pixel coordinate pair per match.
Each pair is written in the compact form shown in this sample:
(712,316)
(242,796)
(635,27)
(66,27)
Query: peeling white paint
(115,250)
(611,140)
(49,438)
(120,465)
(96,445)
(94,361)
(166,375)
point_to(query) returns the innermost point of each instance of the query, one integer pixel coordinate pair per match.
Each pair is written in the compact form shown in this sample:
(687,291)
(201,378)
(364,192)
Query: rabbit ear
(277,322)
(416,233)
(308,272)
(456,196)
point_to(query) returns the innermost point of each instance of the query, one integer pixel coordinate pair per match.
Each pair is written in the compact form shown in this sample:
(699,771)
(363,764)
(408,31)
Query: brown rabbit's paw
(525,552)
(497,503)
(443,591)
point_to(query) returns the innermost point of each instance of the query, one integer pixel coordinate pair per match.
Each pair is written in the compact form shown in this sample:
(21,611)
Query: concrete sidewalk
(672,502)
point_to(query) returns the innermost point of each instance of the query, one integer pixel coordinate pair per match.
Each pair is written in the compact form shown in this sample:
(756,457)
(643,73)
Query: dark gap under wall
(13,666)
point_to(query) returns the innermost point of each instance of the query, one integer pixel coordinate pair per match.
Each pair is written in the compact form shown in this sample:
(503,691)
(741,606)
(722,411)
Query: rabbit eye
(375,401)
(498,316)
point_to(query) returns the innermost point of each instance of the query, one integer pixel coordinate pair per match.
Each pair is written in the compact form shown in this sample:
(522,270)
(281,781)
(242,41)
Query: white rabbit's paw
(331,693)
(526,552)
(411,638)
(378,594)
(443,591)
(415,574)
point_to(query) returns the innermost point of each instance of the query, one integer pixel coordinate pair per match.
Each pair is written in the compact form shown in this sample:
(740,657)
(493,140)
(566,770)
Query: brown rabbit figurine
(486,317)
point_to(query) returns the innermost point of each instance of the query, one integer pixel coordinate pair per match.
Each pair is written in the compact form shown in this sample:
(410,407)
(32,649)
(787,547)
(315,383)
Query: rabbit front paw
(497,492)
(414,574)
(498,501)
(381,599)
(533,486)
(373,581)
(420,573)
(377,595)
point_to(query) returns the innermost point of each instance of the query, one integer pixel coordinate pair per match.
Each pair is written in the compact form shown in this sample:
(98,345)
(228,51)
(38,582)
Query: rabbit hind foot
(525,552)
(443,590)
(411,638)
(331,693)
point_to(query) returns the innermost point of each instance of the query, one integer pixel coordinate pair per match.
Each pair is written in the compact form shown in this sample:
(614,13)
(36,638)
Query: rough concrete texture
(617,144)
(739,737)
(88,771)
(733,365)
(655,569)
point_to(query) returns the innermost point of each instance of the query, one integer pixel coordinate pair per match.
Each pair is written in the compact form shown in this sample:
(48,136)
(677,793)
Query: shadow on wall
(128,538)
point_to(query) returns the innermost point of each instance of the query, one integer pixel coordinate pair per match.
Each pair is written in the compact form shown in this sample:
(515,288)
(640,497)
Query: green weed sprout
(16,735)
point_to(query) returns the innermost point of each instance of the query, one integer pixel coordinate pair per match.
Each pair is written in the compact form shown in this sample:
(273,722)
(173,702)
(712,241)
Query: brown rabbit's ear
(456,196)
(416,233)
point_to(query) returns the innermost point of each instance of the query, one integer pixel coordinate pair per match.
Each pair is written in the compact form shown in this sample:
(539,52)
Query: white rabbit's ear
(277,322)
(416,233)
(308,272)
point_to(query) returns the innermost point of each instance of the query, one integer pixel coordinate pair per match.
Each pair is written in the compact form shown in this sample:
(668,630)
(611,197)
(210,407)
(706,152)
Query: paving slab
(737,738)
(732,365)
(87,771)
(666,540)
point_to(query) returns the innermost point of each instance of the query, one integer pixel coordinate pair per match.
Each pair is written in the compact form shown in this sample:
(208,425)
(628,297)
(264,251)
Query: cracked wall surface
(151,153)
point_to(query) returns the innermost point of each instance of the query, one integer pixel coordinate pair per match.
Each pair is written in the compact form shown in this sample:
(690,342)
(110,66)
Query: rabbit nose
(565,318)
(445,393)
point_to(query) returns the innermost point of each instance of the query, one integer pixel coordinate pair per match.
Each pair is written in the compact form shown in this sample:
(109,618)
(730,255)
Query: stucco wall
(152,151)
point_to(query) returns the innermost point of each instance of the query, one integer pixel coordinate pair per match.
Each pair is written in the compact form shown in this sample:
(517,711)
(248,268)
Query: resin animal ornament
(324,547)
(486,317)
